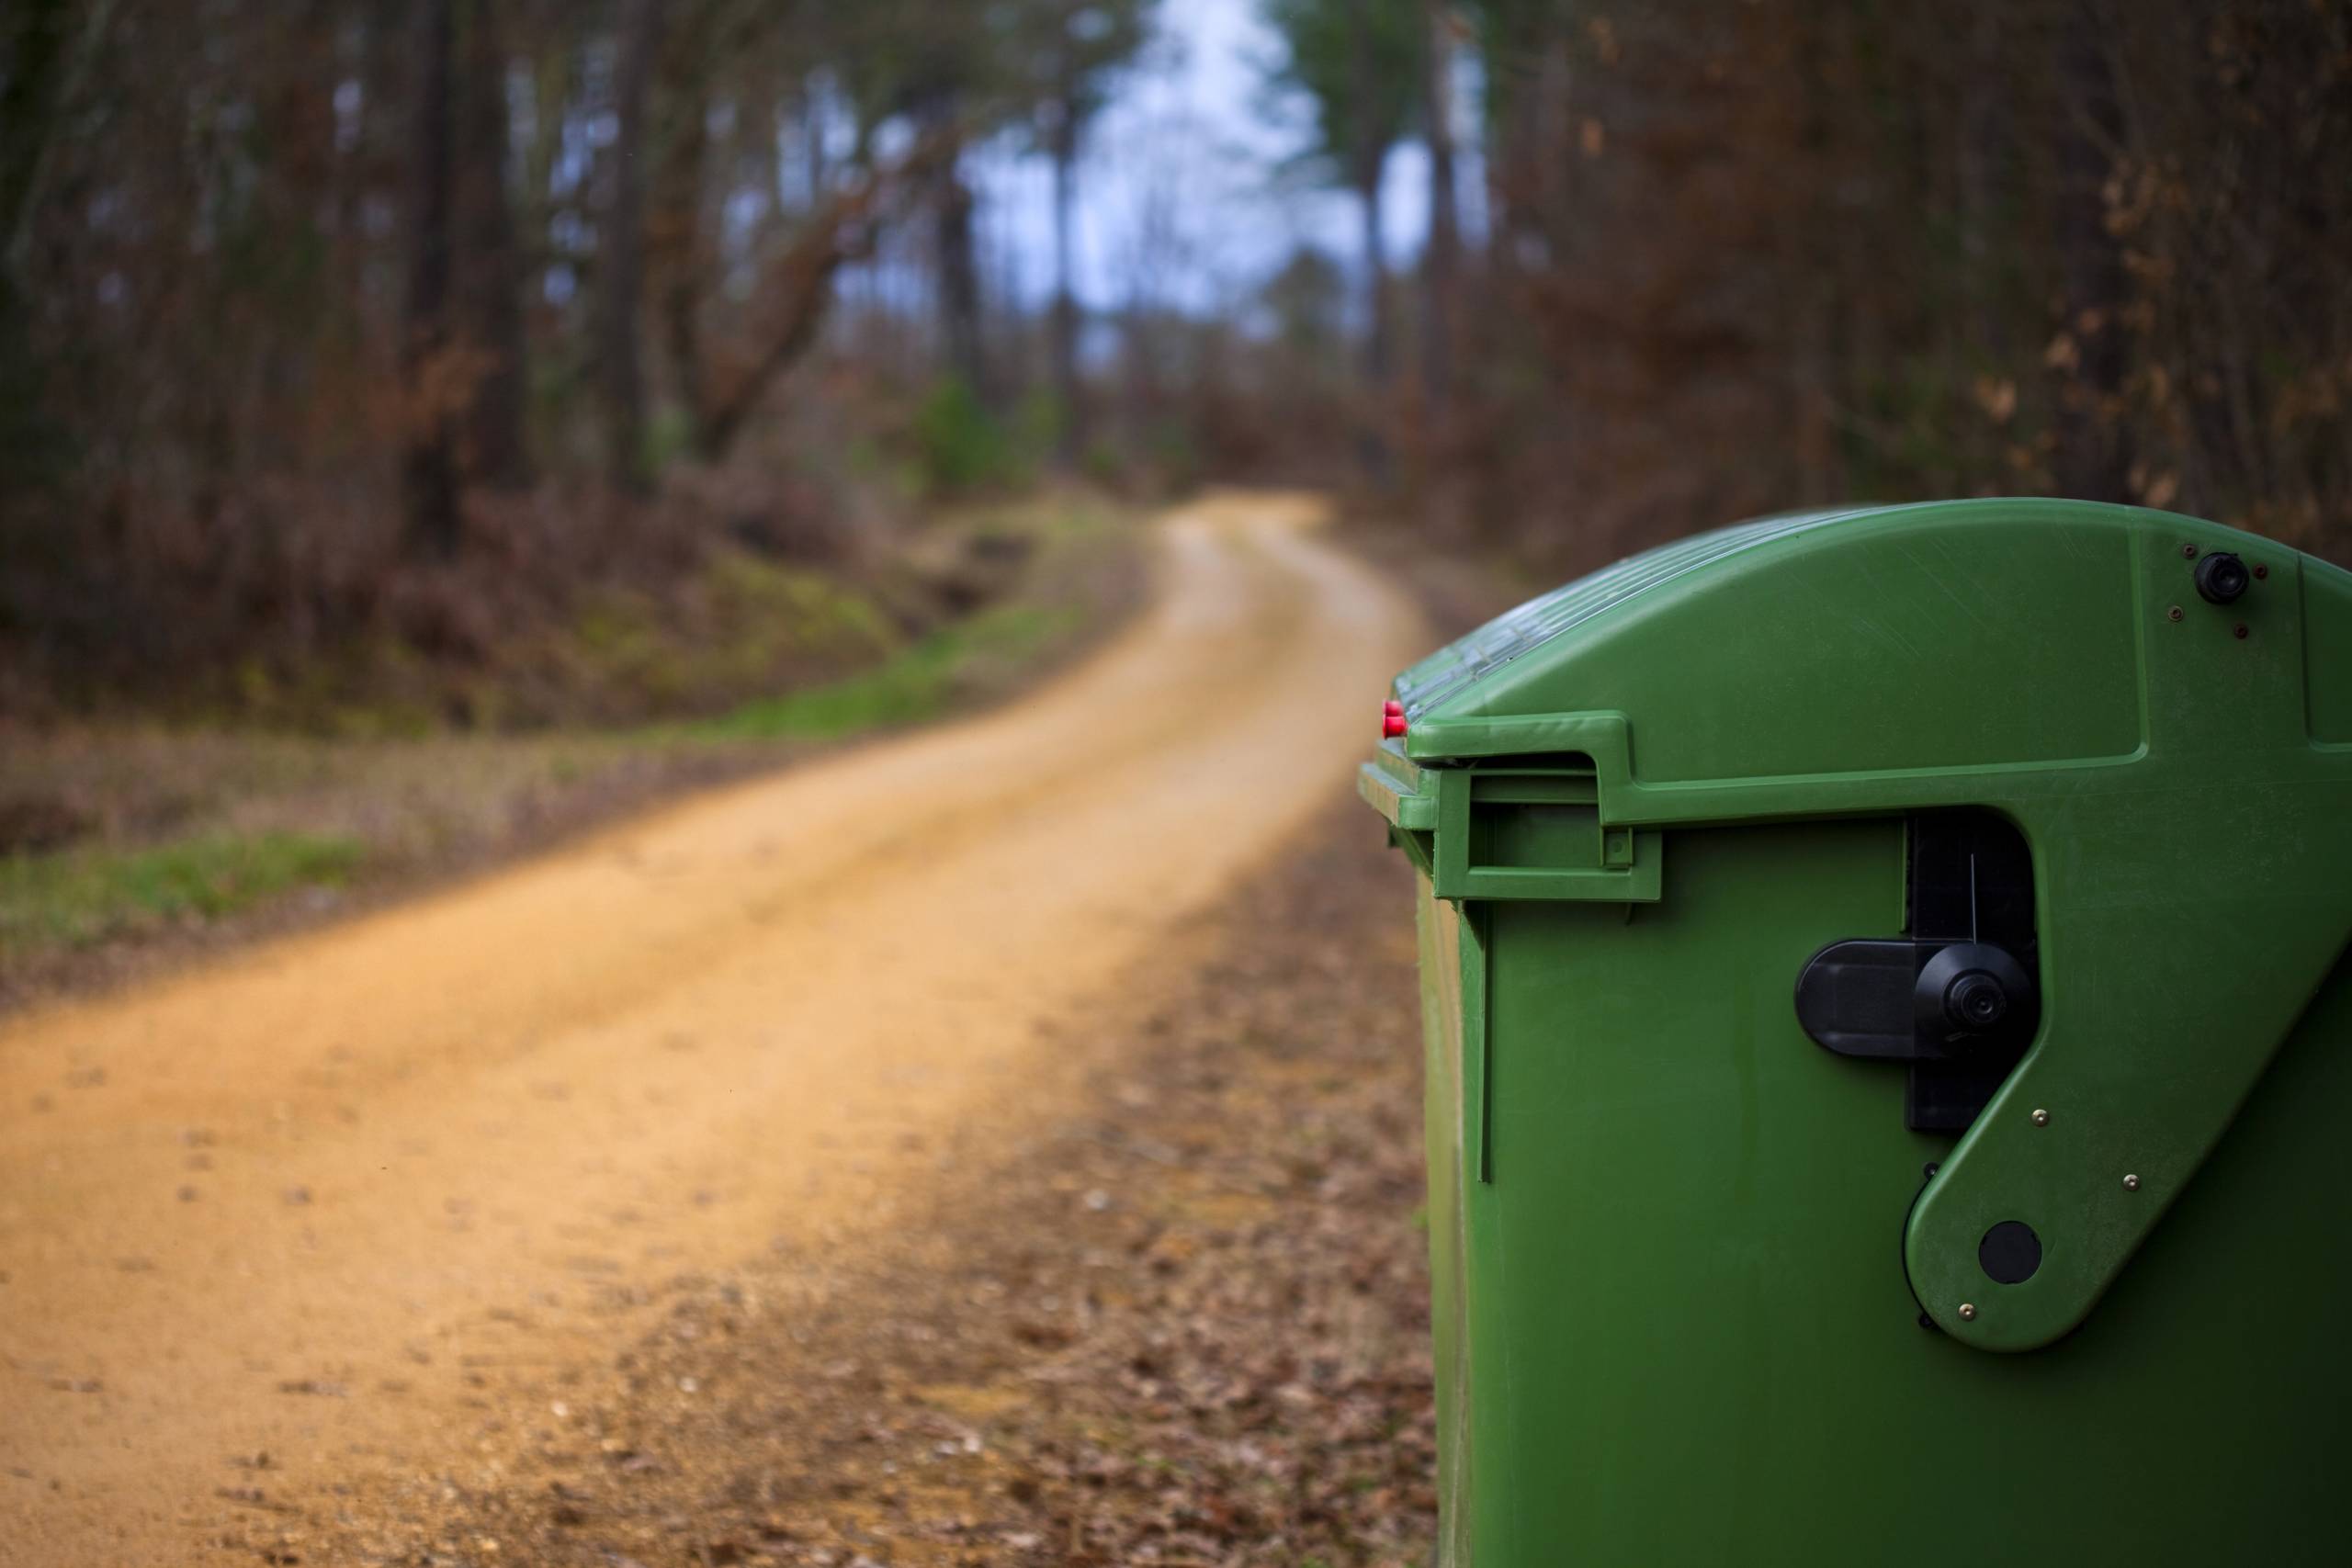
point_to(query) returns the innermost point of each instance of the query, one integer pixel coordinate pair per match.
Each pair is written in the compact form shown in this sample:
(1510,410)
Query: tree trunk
(673,243)
(1985,89)
(959,283)
(1368,155)
(1068,395)
(497,449)
(1441,265)
(1504,41)
(44,79)
(1375,314)
(621,244)
(429,464)
(37,31)
(1814,258)
(362,143)
(2092,462)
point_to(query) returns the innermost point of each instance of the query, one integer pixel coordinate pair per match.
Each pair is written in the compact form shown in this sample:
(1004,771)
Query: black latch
(1957,1000)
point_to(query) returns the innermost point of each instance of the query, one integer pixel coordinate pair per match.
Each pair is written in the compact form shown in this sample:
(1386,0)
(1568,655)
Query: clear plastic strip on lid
(1517,632)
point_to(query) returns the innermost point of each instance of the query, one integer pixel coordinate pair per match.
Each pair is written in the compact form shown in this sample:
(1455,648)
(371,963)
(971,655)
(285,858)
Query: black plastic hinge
(1958,999)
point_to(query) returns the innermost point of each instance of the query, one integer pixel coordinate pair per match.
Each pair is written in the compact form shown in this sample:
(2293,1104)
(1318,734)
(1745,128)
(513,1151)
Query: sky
(1189,186)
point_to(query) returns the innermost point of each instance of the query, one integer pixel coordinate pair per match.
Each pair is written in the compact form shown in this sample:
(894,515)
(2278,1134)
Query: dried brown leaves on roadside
(1187,1328)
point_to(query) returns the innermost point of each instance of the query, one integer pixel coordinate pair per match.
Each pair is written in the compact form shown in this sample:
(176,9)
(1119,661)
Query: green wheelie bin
(1890,1046)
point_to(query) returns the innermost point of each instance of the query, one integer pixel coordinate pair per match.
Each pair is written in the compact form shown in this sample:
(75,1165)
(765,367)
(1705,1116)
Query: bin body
(1697,1294)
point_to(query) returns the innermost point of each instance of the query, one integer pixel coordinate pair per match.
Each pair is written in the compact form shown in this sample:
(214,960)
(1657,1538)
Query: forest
(363,333)
(685,873)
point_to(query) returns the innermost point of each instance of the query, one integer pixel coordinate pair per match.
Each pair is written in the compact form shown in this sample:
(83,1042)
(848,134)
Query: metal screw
(2130,1184)
(2261,571)
(2188,552)
(2041,1119)
(2173,613)
(1968,1311)
(2238,631)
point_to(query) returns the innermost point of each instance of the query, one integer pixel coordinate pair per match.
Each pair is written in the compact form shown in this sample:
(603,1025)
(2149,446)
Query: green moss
(749,624)
(83,896)
(915,684)
(775,610)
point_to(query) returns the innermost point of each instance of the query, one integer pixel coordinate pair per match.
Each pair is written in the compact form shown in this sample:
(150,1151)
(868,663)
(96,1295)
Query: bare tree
(34,39)
(1061,148)
(637,40)
(1079,44)
(793,294)
(489,268)
(2092,460)
(1368,150)
(675,239)
(429,463)
(1441,265)
(1358,65)
(959,278)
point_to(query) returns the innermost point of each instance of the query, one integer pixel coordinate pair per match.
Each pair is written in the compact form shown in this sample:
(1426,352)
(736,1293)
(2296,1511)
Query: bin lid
(2161,707)
(1529,626)
(1983,633)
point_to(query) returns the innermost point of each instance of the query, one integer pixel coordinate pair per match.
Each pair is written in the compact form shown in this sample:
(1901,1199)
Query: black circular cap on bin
(1976,1001)
(1969,993)
(2009,1253)
(2222,577)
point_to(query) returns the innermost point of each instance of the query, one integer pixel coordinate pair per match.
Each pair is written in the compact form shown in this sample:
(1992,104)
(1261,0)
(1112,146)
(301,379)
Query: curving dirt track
(305,1203)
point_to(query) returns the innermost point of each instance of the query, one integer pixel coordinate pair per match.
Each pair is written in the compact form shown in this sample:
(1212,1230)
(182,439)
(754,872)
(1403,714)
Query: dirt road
(307,1204)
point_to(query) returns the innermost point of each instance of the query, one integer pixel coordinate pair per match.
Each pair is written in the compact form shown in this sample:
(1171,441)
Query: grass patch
(131,838)
(914,685)
(83,897)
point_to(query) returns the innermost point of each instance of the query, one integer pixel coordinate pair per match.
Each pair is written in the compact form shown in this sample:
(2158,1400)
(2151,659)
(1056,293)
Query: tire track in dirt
(312,1203)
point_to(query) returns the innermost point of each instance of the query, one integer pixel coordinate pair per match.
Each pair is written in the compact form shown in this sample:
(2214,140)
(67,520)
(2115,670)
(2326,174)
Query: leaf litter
(1185,1327)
